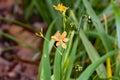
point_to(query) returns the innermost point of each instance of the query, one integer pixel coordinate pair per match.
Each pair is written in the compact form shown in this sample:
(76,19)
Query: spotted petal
(63,35)
(66,39)
(58,34)
(58,43)
(54,38)
(64,45)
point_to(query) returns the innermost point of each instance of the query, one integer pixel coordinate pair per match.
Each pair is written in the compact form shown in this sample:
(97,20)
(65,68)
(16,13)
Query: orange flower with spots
(61,8)
(60,39)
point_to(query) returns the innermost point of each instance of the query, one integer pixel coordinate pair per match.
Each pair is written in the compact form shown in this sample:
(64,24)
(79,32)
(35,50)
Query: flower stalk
(63,10)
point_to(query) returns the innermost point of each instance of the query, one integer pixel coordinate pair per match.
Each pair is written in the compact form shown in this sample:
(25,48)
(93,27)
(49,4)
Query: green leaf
(107,11)
(71,59)
(95,35)
(18,23)
(117,20)
(66,52)
(65,55)
(18,41)
(51,44)
(99,27)
(77,4)
(29,10)
(57,65)
(90,69)
(41,7)
(44,68)
(93,54)
(50,7)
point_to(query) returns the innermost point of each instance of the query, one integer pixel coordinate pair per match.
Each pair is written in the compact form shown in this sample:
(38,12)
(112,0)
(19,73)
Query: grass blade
(117,19)
(18,23)
(45,74)
(18,41)
(66,54)
(89,70)
(93,54)
(40,6)
(99,27)
(29,10)
(57,65)
(71,60)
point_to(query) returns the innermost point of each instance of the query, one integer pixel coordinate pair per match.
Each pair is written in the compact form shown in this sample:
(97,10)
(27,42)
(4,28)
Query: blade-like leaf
(45,73)
(71,60)
(29,10)
(89,70)
(117,19)
(57,65)
(99,27)
(18,41)
(93,54)
(40,6)
(11,20)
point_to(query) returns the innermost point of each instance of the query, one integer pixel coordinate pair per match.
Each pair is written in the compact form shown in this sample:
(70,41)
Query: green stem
(64,21)
(49,42)
(18,41)
(19,23)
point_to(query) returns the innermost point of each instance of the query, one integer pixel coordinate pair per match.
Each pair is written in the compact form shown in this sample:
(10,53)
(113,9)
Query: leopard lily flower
(60,39)
(61,8)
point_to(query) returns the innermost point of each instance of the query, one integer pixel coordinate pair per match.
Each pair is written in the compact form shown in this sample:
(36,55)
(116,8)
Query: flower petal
(60,8)
(63,35)
(55,6)
(64,45)
(54,38)
(66,39)
(58,34)
(58,43)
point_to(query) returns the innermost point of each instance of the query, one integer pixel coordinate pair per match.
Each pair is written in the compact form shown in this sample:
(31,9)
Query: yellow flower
(60,39)
(61,8)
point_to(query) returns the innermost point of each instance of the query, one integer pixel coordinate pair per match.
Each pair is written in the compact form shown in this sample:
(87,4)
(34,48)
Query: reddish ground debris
(16,61)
